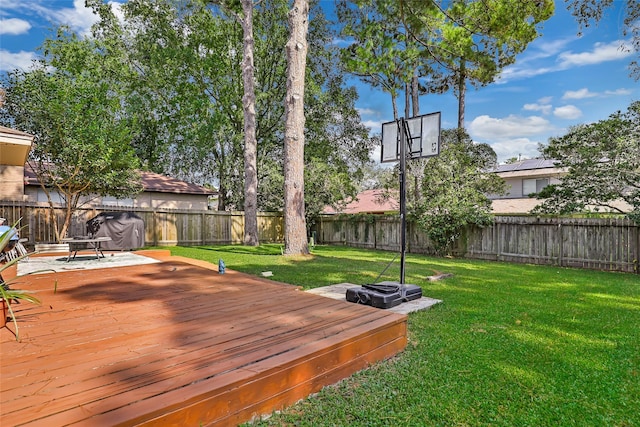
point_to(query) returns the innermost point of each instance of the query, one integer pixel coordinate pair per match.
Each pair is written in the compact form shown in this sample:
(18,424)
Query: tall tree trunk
(415,101)
(250,142)
(407,100)
(462,92)
(394,104)
(295,227)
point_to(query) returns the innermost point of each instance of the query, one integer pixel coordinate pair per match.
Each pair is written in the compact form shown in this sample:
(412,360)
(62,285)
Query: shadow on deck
(176,343)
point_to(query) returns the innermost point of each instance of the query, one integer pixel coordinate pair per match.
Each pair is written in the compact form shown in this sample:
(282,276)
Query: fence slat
(162,227)
(597,243)
(604,244)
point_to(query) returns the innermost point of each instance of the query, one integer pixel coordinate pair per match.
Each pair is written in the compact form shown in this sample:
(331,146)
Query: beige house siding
(14,149)
(146,199)
(527,174)
(160,192)
(12,179)
(515,185)
(156,200)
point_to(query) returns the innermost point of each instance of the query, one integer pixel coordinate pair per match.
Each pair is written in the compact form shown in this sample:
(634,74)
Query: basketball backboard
(423,137)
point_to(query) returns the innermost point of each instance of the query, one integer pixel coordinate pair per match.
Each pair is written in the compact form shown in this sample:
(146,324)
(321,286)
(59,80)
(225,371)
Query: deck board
(177,343)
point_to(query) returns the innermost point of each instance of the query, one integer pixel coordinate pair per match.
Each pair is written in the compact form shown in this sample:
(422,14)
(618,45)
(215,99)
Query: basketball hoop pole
(421,135)
(403,201)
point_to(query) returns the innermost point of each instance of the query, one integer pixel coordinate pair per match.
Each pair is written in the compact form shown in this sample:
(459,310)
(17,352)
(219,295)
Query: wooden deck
(176,343)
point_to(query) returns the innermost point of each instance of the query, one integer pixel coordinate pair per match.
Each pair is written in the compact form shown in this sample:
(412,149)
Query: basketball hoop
(422,134)
(414,138)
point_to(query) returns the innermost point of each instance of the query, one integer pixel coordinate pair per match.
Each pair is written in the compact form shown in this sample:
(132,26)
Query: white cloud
(567,112)
(545,49)
(515,72)
(601,52)
(375,126)
(517,147)
(543,108)
(579,94)
(11,61)
(79,18)
(621,91)
(376,153)
(586,93)
(545,100)
(14,26)
(486,127)
(368,112)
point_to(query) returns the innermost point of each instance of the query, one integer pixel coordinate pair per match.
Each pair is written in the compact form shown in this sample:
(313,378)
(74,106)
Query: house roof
(529,164)
(14,146)
(513,206)
(368,201)
(15,133)
(151,182)
(156,182)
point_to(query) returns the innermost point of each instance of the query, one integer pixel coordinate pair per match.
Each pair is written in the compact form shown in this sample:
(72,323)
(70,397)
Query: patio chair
(14,248)
(17,251)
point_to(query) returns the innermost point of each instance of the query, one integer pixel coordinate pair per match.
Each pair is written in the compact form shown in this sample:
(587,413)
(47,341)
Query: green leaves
(69,101)
(454,189)
(602,161)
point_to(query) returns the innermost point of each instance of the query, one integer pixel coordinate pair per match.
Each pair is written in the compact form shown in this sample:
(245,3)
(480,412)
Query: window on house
(533,186)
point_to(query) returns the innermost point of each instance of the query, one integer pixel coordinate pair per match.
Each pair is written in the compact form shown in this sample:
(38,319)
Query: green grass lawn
(511,345)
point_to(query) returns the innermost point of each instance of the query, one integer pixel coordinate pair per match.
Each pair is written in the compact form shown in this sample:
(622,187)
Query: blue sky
(559,81)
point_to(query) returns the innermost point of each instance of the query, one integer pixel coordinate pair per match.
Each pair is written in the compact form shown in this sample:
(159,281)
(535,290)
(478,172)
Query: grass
(511,345)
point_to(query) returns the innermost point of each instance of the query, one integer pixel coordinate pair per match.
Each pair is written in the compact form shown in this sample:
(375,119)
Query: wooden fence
(603,244)
(162,227)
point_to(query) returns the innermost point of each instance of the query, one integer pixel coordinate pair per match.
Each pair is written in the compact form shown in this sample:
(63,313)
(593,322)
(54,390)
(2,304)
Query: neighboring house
(14,150)
(159,192)
(524,179)
(18,181)
(370,202)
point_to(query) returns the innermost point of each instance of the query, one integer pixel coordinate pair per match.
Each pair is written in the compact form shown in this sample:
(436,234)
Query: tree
(587,12)
(183,89)
(337,143)
(250,142)
(82,144)
(472,41)
(185,92)
(381,53)
(602,161)
(249,112)
(295,238)
(455,189)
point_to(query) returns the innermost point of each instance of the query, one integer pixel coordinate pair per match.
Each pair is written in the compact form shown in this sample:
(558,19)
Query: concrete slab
(339,291)
(83,261)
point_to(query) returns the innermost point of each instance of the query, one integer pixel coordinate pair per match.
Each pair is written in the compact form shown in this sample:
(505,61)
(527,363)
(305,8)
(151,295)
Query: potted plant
(9,296)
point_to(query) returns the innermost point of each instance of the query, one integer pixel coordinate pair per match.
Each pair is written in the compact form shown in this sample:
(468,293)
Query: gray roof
(529,164)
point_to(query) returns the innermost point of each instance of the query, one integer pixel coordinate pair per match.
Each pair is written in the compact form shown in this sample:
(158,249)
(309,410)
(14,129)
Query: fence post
(203,234)
(496,241)
(155,227)
(561,244)
(636,258)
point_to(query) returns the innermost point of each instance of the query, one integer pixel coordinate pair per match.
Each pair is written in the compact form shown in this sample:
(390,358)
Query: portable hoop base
(384,294)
